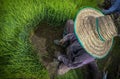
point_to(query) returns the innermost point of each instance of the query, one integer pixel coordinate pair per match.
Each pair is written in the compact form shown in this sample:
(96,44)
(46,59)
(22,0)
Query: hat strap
(98,30)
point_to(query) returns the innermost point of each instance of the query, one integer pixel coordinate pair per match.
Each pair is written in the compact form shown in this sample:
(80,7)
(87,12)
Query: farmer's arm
(77,63)
(113,8)
(68,37)
(82,58)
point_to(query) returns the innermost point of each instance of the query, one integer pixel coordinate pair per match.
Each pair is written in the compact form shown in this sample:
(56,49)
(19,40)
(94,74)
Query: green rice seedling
(19,60)
(73,74)
(59,12)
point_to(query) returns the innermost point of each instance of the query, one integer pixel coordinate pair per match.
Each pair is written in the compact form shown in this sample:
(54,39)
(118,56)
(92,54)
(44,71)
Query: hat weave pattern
(95,32)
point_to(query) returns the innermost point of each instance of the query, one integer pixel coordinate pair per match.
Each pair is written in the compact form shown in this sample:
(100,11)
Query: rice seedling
(17,56)
(73,74)
(58,13)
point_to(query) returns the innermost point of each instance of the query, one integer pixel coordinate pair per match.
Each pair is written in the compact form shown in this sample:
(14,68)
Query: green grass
(17,19)
(72,74)
(17,56)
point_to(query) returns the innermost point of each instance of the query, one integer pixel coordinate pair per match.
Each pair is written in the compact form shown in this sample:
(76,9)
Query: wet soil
(43,41)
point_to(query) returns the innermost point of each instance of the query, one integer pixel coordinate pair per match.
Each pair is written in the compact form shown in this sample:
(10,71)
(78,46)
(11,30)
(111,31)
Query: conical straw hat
(95,31)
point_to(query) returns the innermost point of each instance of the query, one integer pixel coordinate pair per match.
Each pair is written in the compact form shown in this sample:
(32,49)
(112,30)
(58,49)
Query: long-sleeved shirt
(114,8)
(76,55)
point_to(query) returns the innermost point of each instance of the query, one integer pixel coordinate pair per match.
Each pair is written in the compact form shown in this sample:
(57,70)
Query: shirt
(114,8)
(76,55)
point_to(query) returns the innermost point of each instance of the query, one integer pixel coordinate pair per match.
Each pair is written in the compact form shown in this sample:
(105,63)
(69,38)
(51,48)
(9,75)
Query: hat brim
(86,35)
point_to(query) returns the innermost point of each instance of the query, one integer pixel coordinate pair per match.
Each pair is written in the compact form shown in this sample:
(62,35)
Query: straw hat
(95,31)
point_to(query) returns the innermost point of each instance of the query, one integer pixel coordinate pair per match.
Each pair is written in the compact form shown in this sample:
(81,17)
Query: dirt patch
(42,40)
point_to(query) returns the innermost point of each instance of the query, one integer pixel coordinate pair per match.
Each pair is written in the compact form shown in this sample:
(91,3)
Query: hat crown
(104,27)
(107,27)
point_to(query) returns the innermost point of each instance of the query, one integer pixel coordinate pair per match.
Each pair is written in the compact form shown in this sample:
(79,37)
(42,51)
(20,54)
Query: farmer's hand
(62,41)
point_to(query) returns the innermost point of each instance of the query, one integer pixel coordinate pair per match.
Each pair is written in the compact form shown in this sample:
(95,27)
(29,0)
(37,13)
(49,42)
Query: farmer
(75,56)
(91,38)
(114,6)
